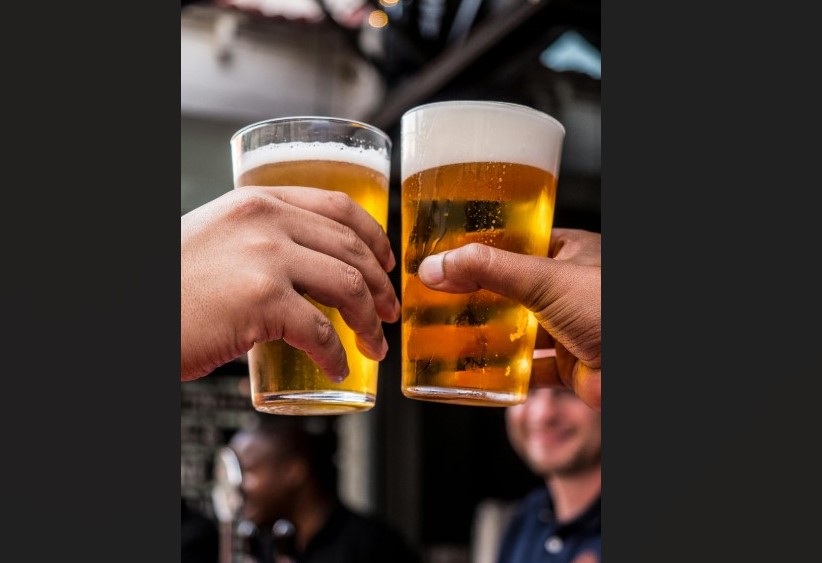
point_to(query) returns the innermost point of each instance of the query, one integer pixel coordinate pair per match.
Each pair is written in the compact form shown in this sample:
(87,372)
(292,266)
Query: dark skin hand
(563,290)
(248,257)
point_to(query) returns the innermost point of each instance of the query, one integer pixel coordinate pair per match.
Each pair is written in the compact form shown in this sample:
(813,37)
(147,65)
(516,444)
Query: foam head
(376,159)
(476,131)
(304,138)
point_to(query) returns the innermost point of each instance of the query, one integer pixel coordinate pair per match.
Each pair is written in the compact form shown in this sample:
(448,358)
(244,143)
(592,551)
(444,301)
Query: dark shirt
(534,536)
(200,537)
(348,537)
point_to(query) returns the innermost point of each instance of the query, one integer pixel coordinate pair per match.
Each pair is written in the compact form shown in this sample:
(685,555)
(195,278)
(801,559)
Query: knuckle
(254,204)
(352,242)
(477,255)
(325,331)
(355,282)
(341,202)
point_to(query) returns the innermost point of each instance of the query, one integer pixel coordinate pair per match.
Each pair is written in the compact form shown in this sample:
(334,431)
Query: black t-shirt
(200,537)
(348,537)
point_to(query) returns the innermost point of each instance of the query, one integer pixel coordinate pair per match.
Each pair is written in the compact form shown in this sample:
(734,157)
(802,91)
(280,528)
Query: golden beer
(284,380)
(472,172)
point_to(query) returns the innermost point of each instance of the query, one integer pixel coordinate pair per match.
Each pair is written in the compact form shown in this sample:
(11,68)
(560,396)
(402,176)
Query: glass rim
(520,108)
(309,118)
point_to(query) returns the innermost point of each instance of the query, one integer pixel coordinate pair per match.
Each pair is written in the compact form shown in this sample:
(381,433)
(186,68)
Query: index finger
(576,246)
(340,207)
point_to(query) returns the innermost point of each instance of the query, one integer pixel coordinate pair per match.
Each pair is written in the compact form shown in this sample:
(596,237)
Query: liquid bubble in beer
(284,380)
(482,172)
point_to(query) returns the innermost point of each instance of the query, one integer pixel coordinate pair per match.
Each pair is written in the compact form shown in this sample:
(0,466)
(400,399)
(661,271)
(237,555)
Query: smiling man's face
(555,433)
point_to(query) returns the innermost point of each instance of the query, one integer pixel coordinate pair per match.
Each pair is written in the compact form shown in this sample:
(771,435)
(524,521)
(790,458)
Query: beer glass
(472,171)
(333,154)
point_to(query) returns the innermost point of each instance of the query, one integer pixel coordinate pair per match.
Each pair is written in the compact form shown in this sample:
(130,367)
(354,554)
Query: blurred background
(443,474)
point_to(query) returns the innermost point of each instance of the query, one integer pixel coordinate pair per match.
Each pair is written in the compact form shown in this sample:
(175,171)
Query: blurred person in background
(288,472)
(559,438)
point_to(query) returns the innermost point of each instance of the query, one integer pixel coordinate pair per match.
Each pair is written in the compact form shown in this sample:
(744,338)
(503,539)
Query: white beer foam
(288,152)
(451,132)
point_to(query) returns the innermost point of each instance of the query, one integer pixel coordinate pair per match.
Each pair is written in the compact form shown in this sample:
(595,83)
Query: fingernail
(384,349)
(339,378)
(392,261)
(397,308)
(431,269)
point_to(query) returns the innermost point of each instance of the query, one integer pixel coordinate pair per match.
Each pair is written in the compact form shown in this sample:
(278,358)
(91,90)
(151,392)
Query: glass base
(464,396)
(313,402)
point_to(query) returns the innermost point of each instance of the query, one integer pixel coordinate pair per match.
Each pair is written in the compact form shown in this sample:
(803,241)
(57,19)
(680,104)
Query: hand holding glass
(331,154)
(472,172)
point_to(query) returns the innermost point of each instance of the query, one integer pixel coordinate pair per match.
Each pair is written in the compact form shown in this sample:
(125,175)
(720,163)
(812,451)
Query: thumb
(533,281)
(564,297)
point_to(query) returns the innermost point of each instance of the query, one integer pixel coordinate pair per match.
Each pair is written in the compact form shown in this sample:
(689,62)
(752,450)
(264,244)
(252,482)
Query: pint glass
(332,154)
(472,171)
